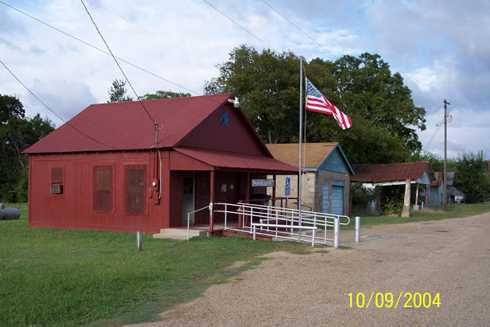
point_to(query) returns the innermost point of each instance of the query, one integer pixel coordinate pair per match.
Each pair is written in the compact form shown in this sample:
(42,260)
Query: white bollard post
(336,233)
(139,240)
(253,228)
(188,226)
(358,229)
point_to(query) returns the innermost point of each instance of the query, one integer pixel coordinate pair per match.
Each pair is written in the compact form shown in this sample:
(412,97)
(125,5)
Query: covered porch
(199,178)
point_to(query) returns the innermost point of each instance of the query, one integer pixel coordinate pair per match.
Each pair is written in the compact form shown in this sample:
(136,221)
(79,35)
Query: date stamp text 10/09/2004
(391,300)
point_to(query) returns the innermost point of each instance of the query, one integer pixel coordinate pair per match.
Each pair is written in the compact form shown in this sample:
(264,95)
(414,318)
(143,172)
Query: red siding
(74,208)
(214,134)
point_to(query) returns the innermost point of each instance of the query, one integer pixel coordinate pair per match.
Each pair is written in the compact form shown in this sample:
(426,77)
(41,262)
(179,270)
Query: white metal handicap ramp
(284,223)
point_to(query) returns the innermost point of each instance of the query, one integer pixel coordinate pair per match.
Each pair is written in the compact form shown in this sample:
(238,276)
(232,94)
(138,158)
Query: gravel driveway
(451,257)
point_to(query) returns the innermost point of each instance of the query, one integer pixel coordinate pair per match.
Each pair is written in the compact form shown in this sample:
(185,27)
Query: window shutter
(103,198)
(135,190)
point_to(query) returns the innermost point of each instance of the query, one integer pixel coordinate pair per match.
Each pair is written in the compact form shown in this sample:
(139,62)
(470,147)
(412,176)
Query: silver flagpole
(300,138)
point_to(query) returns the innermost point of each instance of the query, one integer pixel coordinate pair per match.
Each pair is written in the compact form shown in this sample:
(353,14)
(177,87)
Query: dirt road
(451,257)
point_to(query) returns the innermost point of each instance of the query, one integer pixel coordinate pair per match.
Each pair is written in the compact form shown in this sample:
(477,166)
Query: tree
(118,92)
(16,133)
(385,119)
(472,177)
(164,95)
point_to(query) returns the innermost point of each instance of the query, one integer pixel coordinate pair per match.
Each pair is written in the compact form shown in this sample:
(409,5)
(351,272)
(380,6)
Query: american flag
(317,102)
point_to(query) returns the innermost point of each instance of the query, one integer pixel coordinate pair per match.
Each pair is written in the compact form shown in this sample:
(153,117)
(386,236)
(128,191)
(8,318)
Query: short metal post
(313,238)
(139,240)
(226,214)
(268,217)
(325,231)
(277,216)
(253,233)
(336,233)
(358,229)
(188,225)
(251,217)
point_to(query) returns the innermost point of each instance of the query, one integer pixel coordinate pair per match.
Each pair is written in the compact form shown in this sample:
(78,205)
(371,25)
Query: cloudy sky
(441,48)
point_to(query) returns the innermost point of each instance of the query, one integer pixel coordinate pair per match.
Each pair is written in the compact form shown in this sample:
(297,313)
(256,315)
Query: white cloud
(182,41)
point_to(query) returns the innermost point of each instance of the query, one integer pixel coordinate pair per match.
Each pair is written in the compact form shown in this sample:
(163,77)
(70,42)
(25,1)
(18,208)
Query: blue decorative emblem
(287,186)
(225,118)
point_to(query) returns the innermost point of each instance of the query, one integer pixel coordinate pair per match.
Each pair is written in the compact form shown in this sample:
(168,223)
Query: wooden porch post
(211,201)
(247,188)
(274,190)
(406,199)
(417,197)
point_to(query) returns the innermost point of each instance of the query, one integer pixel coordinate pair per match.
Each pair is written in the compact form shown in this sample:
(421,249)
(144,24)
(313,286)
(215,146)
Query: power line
(233,21)
(90,45)
(7,68)
(291,22)
(138,99)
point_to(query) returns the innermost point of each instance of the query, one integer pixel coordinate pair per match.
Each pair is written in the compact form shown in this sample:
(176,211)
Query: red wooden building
(103,169)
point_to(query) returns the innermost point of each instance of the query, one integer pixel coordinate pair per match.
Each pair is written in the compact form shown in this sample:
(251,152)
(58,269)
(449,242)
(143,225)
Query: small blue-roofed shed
(326,182)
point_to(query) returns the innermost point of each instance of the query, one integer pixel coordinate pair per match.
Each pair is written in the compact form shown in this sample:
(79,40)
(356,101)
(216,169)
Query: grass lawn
(63,278)
(454,211)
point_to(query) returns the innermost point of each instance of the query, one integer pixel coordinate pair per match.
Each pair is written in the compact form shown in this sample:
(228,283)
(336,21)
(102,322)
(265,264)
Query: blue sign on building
(287,186)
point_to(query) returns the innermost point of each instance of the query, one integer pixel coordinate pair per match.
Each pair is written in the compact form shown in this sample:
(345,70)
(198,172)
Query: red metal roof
(394,172)
(231,160)
(125,126)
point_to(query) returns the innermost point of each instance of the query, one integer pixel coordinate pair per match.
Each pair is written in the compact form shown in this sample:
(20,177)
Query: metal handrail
(288,219)
(303,212)
(255,225)
(189,213)
(282,221)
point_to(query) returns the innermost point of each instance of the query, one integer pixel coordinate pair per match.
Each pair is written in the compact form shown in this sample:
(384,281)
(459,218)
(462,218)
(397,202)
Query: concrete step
(179,233)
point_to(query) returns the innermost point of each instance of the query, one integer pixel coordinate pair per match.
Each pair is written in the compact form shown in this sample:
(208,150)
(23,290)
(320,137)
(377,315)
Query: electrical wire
(292,23)
(233,21)
(7,68)
(138,99)
(90,45)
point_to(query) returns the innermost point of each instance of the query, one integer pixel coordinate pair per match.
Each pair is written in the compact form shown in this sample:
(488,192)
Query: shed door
(325,202)
(337,200)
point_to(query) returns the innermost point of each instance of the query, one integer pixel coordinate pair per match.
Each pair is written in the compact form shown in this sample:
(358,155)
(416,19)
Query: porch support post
(274,190)
(427,196)
(211,201)
(417,197)
(247,189)
(406,199)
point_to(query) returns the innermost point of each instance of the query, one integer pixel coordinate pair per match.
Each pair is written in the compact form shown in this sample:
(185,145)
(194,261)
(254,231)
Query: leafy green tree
(164,95)
(16,133)
(472,177)
(118,92)
(385,119)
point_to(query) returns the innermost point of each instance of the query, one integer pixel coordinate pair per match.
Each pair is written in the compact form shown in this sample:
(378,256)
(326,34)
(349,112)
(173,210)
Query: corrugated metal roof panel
(125,126)
(380,173)
(231,160)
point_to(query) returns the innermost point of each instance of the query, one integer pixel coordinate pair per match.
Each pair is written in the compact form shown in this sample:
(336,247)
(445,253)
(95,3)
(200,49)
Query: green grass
(64,278)
(454,211)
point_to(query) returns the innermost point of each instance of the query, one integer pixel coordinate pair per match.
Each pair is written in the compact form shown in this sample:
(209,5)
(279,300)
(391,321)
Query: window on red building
(57,180)
(102,189)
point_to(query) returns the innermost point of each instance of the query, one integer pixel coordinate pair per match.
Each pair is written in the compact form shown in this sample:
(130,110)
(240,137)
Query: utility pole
(444,199)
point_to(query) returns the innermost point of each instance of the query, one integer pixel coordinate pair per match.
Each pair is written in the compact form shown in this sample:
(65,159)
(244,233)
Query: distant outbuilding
(326,180)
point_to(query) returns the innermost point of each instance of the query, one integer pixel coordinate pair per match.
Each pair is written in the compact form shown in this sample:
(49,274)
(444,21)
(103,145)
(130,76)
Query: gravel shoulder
(447,256)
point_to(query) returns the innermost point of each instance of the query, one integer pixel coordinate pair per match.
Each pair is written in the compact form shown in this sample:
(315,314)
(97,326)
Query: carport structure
(407,174)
